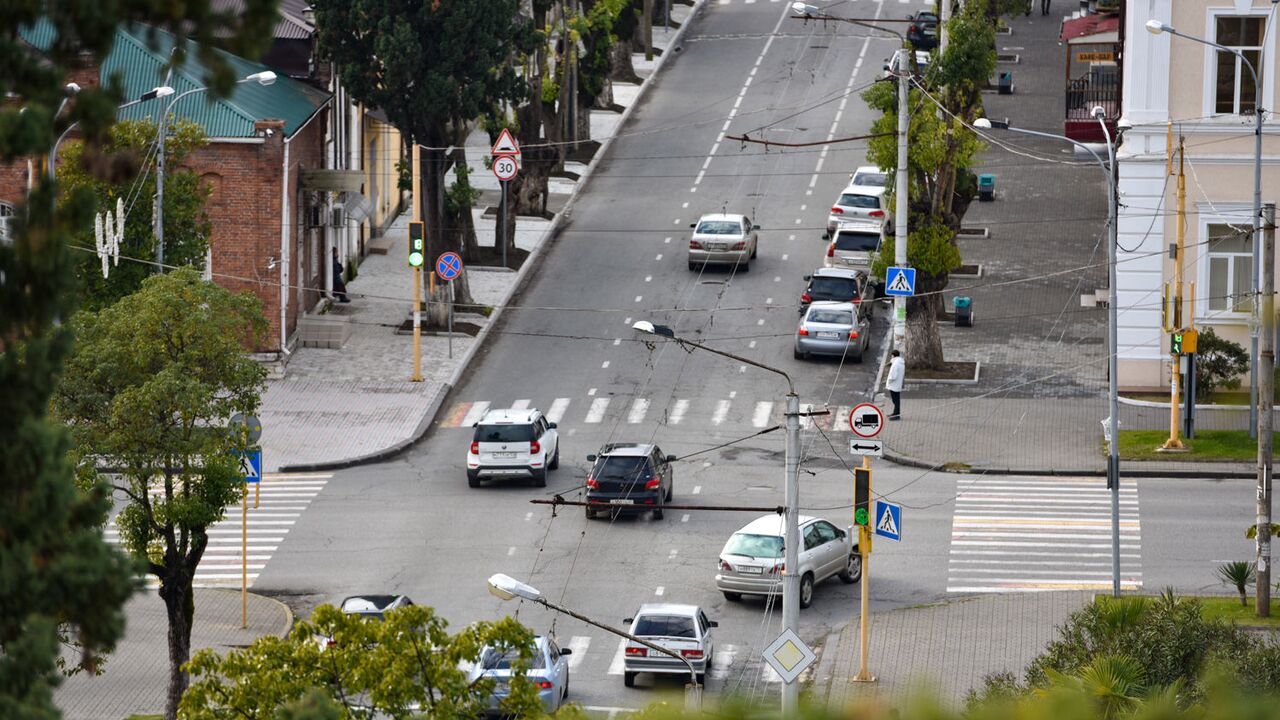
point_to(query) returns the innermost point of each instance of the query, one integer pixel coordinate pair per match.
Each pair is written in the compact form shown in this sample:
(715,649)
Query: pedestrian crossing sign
(250,465)
(889,520)
(900,282)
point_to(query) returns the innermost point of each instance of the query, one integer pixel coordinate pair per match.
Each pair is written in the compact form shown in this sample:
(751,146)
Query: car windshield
(616,466)
(855,200)
(664,626)
(504,659)
(833,317)
(719,227)
(856,241)
(760,546)
(503,433)
(834,287)
(874,179)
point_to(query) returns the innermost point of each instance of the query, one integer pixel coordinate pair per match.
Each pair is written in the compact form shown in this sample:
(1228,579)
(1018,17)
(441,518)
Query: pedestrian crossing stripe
(635,411)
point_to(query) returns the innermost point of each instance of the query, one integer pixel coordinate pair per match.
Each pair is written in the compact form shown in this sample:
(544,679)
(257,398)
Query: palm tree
(1114,682)
(1241,575)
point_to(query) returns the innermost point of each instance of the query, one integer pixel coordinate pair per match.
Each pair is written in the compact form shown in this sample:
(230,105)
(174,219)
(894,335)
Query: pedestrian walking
(1044,7)
(339,287)
(893,383)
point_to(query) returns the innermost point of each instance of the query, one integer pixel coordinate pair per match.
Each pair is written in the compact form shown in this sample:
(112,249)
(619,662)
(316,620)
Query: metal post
(791,544)
(1255,320)
(1266,391)
(1113,342)
(900,196)
(158,217)
(244,557)
(415,162)
(450,332)
(502,232)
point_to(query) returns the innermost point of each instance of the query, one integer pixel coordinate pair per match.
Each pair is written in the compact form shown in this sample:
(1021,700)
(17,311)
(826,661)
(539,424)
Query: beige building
(1208,97)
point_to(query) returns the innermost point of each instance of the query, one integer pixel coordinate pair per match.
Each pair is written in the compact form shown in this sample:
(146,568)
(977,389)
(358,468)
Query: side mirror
(671,458)
(627,621)
(591,458)
(693,225)
(713,623)
(808,277)
(840,532)
(826,236)
(755,227)
(566,651)
(551,425)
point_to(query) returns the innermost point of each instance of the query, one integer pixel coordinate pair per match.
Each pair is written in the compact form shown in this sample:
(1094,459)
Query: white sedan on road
(723,239)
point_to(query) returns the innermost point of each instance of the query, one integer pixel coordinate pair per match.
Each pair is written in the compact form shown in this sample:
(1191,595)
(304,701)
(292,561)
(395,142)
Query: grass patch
(145,717)
(1230,609)
(1222,397)
(1207,446)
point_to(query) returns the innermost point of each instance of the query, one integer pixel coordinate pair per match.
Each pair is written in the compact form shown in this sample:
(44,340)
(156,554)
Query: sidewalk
(949,647)
(1042,392)
(336,408)
(135,676)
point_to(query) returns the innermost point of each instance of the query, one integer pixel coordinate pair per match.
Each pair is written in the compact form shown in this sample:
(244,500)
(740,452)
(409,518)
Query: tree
(1240,575)
(1219,363)
(432,67)
(149,391)
(187,227)
(940,183)
(404,665)
(58,576)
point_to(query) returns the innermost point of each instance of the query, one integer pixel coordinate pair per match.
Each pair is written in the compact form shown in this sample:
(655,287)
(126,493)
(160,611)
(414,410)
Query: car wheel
(555,460)
(540,478)
(732,597)
(565,696)
(852,569)
(798,355)
(693,265)
(806,590)
(702,679)
(746,266)
(591,513)
(671,489)
(755,250)
(629,679)
(657,513)
(857,359)
(473,480)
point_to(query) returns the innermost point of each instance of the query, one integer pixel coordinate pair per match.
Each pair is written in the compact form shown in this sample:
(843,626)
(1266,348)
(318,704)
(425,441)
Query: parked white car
(752,560)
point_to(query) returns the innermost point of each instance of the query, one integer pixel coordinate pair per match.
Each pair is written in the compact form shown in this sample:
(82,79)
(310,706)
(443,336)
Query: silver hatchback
(832,328)
(751,562)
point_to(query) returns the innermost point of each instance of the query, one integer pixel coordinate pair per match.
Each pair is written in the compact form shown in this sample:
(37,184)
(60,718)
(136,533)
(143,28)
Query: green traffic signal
(862,496)
(860,516)
(417,243)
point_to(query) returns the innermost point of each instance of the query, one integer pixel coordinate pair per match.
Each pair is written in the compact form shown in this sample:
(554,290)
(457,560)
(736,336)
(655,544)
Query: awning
(1091,29)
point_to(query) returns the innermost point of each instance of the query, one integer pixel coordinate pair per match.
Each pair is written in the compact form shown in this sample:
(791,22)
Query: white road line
(722,410)
(591,392)
(520,404)
(1058,571)
(1046,553)
(511,551)
(648,278)
(684,518)
(659,591)
(722,661)
(604,365)
(659,257)
(579,645)
(477,411)
(638,409)
(1073,547)
(677,412)
(617,342)
(764,409)
(596,413)
(697,490)
(619,657)
(751,344)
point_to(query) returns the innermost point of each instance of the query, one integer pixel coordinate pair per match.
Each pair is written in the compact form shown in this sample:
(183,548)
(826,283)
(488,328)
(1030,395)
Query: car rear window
(495,659)
(876,179)
(622,466)
(760,546)
(665,626)
(835,317)
(835,287)
(503,433)
(856,241)
(719,227)
(855,200)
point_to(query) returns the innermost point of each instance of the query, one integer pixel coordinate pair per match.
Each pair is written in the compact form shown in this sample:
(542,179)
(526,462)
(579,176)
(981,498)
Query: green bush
(1219,363)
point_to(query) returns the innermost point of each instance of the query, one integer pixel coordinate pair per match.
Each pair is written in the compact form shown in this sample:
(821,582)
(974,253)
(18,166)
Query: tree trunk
(924,343)
(621,69)
(604,101)
(179,605)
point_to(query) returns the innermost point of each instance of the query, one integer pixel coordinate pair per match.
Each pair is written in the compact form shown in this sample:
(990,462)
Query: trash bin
(964,311)
(986,187)
(1005,83)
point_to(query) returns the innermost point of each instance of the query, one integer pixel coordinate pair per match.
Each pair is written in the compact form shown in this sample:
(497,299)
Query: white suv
(513,443)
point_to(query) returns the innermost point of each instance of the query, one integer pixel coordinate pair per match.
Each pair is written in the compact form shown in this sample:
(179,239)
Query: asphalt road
(413,526)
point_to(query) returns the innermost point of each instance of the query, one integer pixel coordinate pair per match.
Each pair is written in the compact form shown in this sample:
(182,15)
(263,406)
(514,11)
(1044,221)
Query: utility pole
(791,544)
(157,216)
(1266,398)
(900,196)
(944,15)
(1174,320)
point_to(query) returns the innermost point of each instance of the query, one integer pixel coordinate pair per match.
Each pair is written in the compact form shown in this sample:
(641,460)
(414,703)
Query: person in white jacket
(893,383)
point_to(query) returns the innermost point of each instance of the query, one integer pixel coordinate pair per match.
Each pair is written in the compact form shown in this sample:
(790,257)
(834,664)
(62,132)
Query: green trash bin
(986,187)
(964,311)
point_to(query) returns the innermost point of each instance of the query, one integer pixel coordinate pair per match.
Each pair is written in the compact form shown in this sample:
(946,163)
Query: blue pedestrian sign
(900,282)
(449,266)
(251,465)
(888,520)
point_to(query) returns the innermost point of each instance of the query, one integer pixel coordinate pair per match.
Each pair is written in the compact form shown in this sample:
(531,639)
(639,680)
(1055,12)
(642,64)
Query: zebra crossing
(1012,534)
(282,497)
(928,3)
(723,662)
(593,410)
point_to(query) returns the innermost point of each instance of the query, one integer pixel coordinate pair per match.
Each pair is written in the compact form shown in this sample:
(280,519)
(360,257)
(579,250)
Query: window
(756,546)
(6,222)
(1230,260)
(504,433)
(719,227)
(678,626)
(812,538)
(858,200)
(853,241)
(826,532)
(1233,84)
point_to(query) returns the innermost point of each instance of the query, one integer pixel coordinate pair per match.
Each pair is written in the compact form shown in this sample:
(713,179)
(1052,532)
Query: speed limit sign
(504,167)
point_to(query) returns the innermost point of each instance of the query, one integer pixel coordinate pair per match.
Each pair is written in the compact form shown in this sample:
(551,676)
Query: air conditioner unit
(338,216)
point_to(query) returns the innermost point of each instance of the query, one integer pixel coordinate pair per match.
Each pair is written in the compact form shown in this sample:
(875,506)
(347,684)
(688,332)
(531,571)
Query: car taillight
(831,250)
(637,652)
(695,654)
(856,301)
(741,245)
(475,448)
(806,298)
(652,484)
(803,331)
(593,484)
(837,210)
(876,213)
(915,28)
(726,566)
(545,685)
(695,245)
(853,334)
(534,447)
(777,569)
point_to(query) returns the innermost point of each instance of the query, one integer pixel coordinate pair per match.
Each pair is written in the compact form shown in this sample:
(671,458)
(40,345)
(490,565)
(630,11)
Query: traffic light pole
(1266,401)
(864,549)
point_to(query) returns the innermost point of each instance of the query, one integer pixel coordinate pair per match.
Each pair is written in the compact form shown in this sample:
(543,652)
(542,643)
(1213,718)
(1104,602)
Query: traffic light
(1183,342)
(417,243)
(862,496)
(1175,343)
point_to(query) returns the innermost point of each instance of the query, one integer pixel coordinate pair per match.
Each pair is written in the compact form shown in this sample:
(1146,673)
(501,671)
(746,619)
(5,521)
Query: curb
(908,461)
(288,611)
(1208,407)
(525,272)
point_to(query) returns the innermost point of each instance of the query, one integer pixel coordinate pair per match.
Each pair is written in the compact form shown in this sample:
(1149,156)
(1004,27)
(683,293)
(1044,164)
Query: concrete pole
(944,14)
(1113,342)
(1255,320)
(1266,392)
(901,196)
(791,545)
(158,215)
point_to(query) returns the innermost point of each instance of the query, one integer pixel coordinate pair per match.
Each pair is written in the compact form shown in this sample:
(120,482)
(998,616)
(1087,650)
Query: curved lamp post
(157,92)
(506,587)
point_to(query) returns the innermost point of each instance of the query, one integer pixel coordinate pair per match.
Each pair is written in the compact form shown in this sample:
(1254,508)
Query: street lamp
(791,492)
(505,587)
(264,78)
(1113,199)
(1155,27)
(72,89)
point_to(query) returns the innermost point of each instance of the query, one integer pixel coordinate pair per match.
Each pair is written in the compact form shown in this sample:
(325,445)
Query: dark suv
(629,477)
(839,285)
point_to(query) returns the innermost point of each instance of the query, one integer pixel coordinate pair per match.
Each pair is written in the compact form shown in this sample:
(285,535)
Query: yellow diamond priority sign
(789,656)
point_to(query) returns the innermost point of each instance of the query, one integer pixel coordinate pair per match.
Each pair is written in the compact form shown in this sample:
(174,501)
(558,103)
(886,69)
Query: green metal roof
(139,56)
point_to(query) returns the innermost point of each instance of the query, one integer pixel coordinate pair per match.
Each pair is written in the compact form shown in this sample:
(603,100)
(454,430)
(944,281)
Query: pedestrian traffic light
(1175,343)
(862,496)
(417,243)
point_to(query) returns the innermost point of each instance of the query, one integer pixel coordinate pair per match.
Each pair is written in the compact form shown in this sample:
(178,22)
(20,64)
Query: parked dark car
(922,33)
(629,478)
(839,285)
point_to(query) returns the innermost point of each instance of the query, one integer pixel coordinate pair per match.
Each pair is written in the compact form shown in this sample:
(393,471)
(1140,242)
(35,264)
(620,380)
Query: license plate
(622,501)
(717,246)
(748,570)
(504,456)
(828,334)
